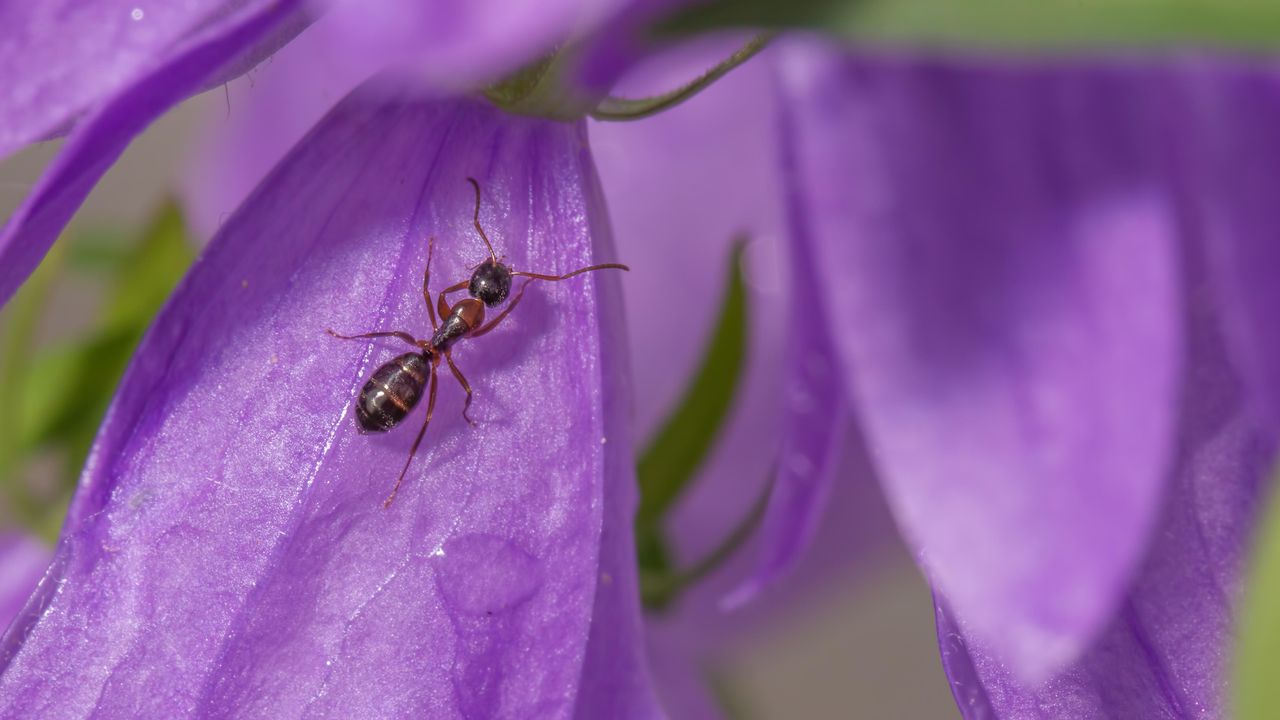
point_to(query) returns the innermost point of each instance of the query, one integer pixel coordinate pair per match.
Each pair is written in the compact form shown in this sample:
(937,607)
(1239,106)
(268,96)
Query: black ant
(395,388)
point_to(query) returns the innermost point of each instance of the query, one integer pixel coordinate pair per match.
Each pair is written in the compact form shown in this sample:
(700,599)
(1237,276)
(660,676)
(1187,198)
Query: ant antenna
(479,229)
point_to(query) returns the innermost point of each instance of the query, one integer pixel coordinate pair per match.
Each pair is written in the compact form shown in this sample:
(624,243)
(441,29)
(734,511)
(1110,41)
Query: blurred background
(853,636)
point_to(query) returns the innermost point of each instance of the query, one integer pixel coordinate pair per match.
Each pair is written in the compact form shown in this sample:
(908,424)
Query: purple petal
(267,114)
(814,420)
(723,190)
(22,564)
(684,686)
(1162,655)
(100,139)
(459,43)
(59,58)
(677,230)
(624,42)
(228,552)
(1235,150)
(1000,275)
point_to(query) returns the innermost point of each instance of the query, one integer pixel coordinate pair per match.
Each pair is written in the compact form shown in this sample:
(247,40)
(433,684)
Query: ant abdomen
(392,391)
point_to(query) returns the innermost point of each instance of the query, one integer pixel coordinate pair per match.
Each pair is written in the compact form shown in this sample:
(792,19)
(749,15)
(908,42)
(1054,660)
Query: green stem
(622,109)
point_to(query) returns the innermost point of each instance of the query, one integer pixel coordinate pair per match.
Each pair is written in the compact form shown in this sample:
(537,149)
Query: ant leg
(431,406)
(444,306)
(505,312)
(390,333)
(566,276)
(426,276)
(448,356)
(451,289)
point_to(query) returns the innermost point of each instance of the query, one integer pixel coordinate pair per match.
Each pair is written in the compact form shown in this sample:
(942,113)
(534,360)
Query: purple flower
(1029,280)
(1010,278)
(109,68)
(232,509)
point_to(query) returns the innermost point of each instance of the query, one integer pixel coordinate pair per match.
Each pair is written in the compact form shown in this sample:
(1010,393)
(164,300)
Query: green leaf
(150,272)
(673,457)
(77,380)
(97,251)
(22,321)
(1256,692)
(1055,25)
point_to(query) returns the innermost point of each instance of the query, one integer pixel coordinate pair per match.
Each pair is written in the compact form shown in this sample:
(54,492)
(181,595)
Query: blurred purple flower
(23,561)
(1036,291)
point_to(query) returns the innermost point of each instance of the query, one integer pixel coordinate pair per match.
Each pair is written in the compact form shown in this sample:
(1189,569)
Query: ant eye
(490,283)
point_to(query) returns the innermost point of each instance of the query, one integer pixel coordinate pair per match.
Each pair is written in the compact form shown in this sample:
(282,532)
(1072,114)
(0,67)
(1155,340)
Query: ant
(395,388)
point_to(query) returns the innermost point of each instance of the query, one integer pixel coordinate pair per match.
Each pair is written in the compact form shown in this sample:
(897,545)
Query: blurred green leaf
(70,386)
(727,695)
(97,251)
(1256,692)
(1056,25)
(673,457)
(660,586)
(22,323)
(149,273)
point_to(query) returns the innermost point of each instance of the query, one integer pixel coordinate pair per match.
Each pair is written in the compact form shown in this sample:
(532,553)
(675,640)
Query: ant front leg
(389,333)
(444,303)
(448,356)
(426,278)
(442,306)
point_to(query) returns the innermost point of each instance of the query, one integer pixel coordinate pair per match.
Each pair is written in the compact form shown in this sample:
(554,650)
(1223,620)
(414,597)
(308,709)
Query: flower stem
(622,109)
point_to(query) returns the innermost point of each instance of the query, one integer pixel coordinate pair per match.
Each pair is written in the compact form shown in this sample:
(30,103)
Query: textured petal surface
(100,138)
(22,564)
(1001,281)
(228,554)
(1162,656)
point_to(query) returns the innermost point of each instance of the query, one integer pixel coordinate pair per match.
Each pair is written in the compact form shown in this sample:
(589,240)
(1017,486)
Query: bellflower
(1049,333)
(293,580)
(885,97)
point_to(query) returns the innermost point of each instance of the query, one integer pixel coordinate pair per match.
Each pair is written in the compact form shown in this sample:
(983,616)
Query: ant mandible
(395,388)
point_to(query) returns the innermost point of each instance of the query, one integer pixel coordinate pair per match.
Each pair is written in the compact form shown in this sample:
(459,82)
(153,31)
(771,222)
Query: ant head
(490,282)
